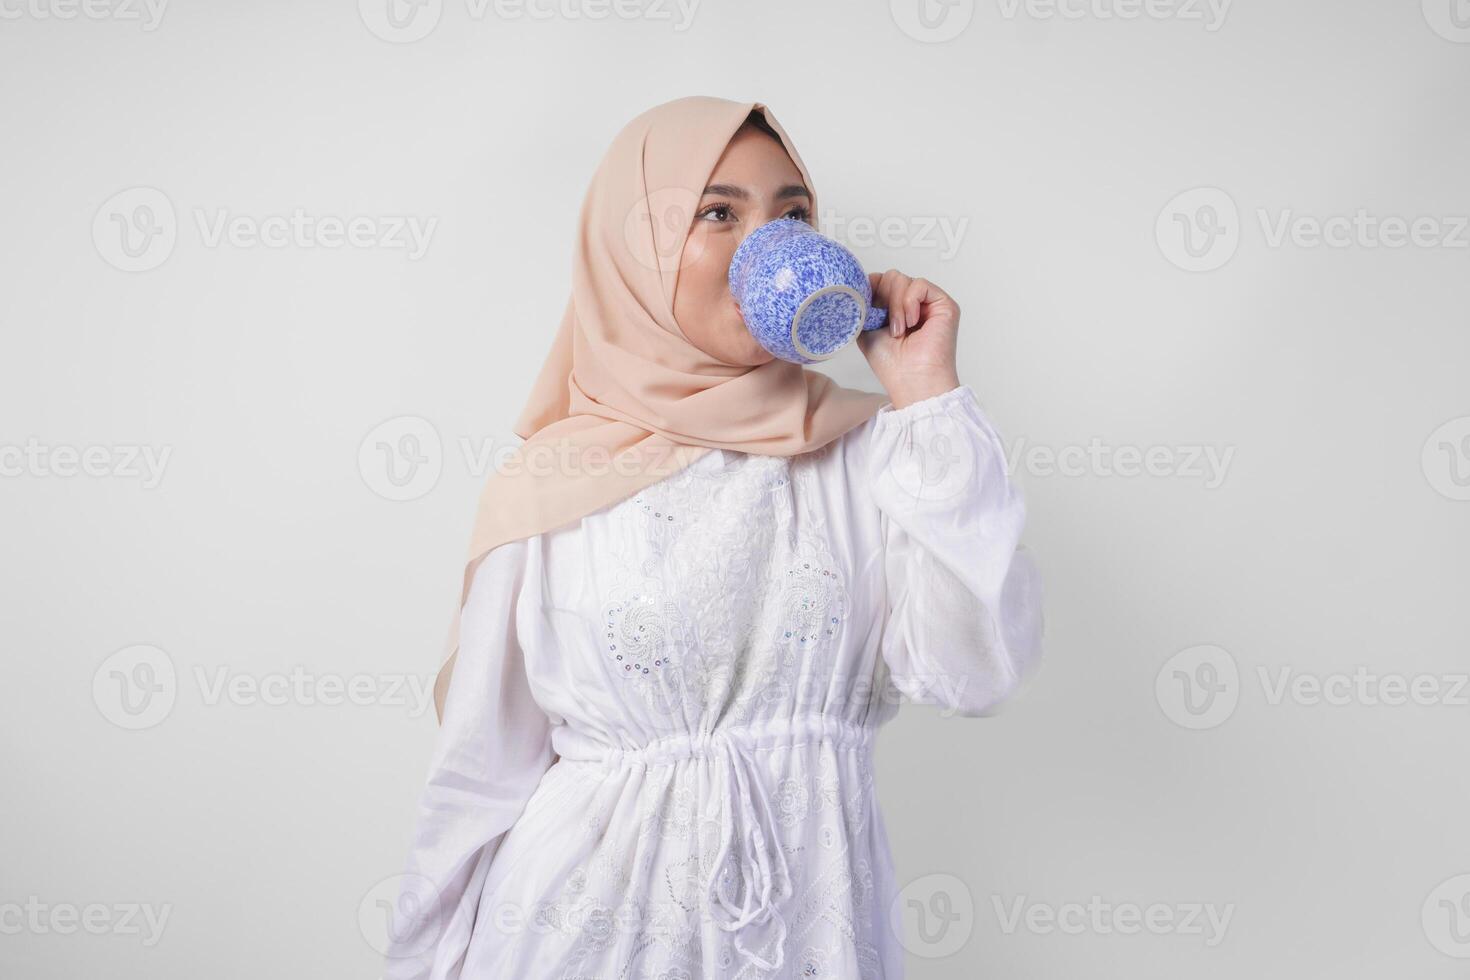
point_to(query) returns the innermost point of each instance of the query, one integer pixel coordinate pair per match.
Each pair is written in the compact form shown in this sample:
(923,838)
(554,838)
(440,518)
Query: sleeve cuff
(943,403)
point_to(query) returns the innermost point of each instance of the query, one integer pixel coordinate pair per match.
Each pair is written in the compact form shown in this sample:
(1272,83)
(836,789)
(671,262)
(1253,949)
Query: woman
(655,755)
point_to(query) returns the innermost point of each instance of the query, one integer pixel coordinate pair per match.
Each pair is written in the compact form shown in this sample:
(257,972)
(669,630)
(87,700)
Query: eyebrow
(741,194)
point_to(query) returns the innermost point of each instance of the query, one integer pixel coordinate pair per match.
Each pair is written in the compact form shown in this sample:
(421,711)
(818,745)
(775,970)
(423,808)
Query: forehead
(754,156)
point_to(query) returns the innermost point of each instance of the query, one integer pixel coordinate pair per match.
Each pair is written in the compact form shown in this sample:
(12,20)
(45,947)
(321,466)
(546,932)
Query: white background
(1056,142)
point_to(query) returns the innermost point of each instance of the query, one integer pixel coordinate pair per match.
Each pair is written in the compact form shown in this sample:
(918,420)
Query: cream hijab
(624,398)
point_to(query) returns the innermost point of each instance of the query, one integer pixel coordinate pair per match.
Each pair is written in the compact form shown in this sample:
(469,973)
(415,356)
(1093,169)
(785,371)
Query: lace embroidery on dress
(724,599)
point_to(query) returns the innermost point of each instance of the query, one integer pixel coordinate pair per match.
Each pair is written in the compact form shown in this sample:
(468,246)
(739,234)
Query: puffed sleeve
(964,623)
(493,747)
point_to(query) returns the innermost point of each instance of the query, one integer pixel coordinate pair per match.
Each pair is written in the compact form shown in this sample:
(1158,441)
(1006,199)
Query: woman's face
(754,182)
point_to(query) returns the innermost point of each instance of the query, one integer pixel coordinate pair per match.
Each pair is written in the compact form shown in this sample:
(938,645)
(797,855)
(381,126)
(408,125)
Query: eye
(722,214)
(723,208)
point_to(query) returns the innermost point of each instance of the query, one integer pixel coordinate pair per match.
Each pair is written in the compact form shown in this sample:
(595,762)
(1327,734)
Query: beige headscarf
(624,398)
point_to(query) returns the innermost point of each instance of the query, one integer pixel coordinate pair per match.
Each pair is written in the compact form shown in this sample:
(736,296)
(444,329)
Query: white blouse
(655,761)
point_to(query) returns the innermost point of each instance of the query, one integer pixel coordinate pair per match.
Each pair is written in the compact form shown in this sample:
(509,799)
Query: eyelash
(801,213)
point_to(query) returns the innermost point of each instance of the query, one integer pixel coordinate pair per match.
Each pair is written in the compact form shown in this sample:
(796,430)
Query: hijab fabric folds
(624,399)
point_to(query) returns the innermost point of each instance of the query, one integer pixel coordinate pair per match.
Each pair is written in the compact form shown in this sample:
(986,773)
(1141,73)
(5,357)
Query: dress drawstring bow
(766,880)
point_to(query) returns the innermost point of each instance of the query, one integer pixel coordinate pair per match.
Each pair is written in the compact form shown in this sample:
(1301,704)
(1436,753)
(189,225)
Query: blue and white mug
(803,296)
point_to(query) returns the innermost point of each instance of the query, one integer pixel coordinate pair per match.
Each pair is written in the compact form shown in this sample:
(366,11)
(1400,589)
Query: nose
(754,220)
(757,219)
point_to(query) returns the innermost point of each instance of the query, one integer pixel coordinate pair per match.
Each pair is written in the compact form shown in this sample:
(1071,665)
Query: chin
(743,348)
(755,355)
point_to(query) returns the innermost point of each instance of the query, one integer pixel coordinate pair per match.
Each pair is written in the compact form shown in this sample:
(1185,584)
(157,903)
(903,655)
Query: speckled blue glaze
(802,295)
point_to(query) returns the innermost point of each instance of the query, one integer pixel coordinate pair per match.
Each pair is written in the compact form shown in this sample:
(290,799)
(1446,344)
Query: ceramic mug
(803,296)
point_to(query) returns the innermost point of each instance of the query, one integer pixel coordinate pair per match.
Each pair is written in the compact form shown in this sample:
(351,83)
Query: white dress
(655,761)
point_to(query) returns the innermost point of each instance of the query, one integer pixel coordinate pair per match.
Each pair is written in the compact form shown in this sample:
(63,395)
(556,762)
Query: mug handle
(877,318)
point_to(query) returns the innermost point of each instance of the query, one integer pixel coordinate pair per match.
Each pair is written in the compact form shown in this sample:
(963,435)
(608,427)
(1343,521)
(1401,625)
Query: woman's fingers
(888,289)
(905,298)
(916,293)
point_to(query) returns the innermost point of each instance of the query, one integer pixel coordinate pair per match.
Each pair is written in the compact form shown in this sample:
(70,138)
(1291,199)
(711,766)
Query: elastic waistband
(572,744)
